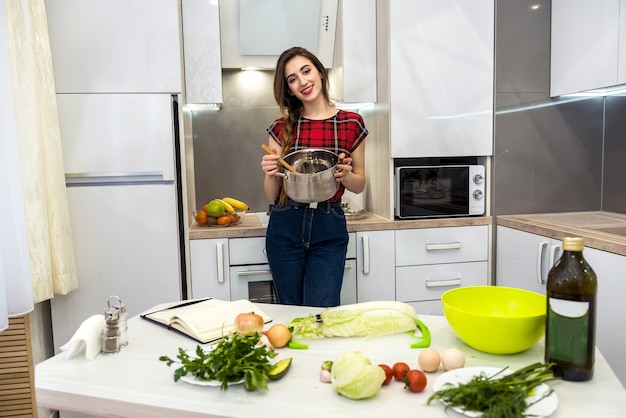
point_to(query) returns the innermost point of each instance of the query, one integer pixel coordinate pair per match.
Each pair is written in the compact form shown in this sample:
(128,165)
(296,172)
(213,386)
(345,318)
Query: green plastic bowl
(496,319)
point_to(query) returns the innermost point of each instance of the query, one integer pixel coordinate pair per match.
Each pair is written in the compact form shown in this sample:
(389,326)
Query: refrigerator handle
(220,263)
(120,177)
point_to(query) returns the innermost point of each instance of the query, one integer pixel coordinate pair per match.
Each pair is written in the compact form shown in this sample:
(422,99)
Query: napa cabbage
(357,320)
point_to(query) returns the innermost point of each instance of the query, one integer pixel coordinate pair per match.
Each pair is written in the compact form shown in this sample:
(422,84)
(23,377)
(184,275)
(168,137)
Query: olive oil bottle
(571,314)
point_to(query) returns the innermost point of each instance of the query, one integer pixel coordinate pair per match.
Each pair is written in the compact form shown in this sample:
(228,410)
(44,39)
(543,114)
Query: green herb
(497,396)
(234,357)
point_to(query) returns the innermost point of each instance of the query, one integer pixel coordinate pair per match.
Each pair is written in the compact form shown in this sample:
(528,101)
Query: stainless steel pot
(314,180)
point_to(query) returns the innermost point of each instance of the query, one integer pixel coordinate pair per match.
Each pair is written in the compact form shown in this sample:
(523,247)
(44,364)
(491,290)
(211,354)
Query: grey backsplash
(550,155)
(227,143)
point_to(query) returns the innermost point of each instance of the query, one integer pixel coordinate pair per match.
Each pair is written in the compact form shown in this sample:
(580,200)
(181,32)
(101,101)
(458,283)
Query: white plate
(201,382)
(541,409)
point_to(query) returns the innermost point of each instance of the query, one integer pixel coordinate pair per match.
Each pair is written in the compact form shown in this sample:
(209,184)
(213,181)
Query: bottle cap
(573,243)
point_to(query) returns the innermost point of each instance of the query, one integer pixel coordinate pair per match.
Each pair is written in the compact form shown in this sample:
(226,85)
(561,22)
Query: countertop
(251,226)
(604,231)
(134,383)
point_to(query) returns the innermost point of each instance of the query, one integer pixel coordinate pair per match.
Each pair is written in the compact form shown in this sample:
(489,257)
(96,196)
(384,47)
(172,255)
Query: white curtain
(36,251)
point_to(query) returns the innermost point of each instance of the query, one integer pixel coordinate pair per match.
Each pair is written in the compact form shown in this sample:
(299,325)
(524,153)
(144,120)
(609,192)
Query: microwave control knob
(478,194)
(478,178)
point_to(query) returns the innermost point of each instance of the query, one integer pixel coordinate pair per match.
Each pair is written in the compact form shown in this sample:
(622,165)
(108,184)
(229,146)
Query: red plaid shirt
(340,133)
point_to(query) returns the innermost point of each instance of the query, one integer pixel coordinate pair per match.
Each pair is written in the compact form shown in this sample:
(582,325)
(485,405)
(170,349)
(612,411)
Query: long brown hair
(289,104)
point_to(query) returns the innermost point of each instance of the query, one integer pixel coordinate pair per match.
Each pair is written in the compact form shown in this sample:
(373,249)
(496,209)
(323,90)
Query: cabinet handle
(366,255)
(553,254)
(443,246)
(253,272)
(442,283)
(540,248)
(220,262)
(347,267)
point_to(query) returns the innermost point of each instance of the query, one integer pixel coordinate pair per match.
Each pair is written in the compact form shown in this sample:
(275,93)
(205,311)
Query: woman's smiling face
(303,79)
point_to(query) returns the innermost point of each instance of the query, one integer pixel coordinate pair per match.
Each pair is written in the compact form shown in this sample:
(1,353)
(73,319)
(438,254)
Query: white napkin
(86,338)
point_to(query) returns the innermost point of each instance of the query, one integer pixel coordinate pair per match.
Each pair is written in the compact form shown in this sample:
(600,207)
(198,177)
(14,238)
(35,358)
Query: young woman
(306,246)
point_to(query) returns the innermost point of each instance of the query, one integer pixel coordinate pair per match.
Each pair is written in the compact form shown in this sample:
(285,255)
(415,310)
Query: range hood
(253,33)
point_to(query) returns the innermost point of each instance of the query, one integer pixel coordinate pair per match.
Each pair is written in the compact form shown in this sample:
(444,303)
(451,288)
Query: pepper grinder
(116,302)
(110,333)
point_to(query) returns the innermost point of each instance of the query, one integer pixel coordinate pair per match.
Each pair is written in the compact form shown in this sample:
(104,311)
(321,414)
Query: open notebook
(204,320)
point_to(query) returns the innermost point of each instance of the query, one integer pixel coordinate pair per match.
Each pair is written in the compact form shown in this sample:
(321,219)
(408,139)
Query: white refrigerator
(120,153)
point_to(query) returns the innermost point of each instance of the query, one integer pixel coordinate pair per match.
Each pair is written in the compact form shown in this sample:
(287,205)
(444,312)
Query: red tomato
(399,370)
(388,373)
(415,380)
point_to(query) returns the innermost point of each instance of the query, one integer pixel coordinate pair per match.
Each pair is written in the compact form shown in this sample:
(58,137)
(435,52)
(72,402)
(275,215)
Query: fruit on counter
(224,220)
(214,208)
(415,381)
(278,335)
(388,373)
(280,369)
(354,376)
(452,358)
(227,206)
(429,360)
(202,217)
(248,323)
(400,369)
(234,217)
(237,204)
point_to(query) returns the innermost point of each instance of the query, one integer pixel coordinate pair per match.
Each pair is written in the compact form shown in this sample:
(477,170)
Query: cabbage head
(354,376)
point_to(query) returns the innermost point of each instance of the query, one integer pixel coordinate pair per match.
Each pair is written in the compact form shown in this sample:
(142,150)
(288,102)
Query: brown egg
(429,360)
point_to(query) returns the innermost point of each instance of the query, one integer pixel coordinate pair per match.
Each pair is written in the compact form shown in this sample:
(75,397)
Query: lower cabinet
(375,266)
(430,261)
(524,260)
(237,268)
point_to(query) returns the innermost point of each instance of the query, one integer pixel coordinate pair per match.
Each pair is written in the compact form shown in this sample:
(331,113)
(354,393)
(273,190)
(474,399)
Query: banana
(227,206)
(237,204)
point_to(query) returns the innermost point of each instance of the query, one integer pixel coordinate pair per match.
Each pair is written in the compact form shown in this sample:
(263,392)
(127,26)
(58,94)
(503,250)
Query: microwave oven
(427,191)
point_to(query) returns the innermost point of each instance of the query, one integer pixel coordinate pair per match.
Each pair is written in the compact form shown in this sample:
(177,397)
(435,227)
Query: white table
(134,383)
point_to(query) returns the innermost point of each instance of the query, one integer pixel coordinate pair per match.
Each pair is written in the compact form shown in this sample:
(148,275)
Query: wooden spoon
(283,162)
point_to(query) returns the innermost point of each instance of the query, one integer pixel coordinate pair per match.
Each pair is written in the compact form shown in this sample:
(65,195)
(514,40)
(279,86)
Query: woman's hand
(269,164)
(344,168)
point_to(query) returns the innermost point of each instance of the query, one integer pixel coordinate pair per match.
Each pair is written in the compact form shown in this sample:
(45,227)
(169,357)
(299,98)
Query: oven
(251,278)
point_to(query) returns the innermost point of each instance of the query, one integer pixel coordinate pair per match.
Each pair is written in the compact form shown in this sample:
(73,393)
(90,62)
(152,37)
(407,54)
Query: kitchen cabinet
(441,65)
(353,76)
(375,266)
(523,259)
(585,47)
(210,275)
(430,261)
(202,51)
(610,325)
(115,46)
(237,268)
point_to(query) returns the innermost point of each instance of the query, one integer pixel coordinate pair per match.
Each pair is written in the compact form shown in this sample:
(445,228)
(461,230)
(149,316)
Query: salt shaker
(110,333)
(116,302)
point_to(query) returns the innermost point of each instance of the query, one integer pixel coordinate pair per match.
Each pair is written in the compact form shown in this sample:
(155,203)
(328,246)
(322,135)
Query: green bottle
(571,314)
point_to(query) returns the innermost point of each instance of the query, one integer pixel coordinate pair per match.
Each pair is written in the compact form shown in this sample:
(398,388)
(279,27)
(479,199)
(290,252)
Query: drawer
(429,282)
(442,245)
(244,251)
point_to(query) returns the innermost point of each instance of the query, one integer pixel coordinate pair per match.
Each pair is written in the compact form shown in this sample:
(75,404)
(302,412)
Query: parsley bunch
(234,358)
(497,396)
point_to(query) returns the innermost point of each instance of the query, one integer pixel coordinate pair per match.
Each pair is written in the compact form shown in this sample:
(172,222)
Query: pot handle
(283,175)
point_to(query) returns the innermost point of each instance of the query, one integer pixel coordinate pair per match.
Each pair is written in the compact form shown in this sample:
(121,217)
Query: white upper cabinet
(201,41)
(353,77)
(621,54)
(584,45)
(441,77)
(115,46)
